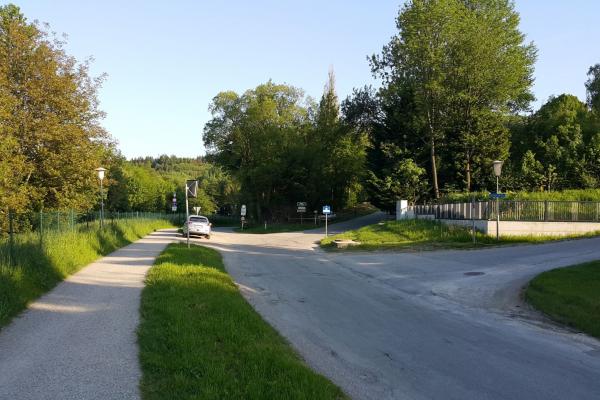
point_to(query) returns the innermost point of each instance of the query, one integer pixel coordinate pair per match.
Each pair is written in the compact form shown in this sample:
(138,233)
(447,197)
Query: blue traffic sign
(497,195)
(326,210)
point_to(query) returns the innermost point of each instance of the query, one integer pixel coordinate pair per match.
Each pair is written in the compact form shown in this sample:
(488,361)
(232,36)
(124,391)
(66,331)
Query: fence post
(11,243)
(546,210)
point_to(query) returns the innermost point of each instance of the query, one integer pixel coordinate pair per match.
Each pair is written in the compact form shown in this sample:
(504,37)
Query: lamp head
(100,171)
(498,167)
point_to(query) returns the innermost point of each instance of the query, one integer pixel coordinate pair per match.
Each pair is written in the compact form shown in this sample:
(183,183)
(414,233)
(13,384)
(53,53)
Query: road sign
(326,210)
(497,195)
(243,210)
(174,207)
(192,188)
(197,210)
(301,207)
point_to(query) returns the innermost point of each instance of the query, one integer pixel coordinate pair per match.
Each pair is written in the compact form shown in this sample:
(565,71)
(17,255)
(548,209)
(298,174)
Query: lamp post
(100,171)
(497,171)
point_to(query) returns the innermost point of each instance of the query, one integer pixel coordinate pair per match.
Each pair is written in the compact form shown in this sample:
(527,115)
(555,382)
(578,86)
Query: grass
(425,235)
(199,338)
(569,295)
(38,267)
(344,215)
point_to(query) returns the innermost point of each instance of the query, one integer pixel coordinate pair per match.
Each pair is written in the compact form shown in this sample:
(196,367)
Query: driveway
(421,325)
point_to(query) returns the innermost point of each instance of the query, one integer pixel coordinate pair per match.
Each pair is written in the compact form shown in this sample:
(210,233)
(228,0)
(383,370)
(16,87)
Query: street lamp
(497,171)
(100,171)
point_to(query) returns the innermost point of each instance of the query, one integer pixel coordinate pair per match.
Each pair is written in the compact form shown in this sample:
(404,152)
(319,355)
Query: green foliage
(49,120)
(456,69)
(199,338)
(148,184)
(562,144)
(569,295)
(405,180)
(39,268)
(282,149)
(561,195)
(593,88)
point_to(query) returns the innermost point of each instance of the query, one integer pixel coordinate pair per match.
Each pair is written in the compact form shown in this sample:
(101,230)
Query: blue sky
(166,60)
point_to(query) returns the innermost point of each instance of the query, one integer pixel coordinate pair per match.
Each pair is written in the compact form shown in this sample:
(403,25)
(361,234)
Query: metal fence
(509,210)
(36,226)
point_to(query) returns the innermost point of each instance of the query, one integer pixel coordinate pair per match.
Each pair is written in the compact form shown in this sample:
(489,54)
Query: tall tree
(465,64)
(253,137)
(52,117)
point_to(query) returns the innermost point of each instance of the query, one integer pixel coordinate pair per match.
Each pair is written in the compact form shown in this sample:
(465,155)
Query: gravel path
(78,341)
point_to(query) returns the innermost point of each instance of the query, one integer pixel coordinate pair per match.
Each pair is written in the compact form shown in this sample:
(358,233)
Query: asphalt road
(422,325)
(78,341)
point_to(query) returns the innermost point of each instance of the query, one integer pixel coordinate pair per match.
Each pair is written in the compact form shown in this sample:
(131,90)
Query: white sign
(243,210)
(301,209)
(174,207)
(301,204)
(191,187)
(326,210)
(196,210)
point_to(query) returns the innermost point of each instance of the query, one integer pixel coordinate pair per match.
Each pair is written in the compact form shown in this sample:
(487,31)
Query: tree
(557,137)
(253,137)
(465,65)
(50,125)
(336,152)
(593,88)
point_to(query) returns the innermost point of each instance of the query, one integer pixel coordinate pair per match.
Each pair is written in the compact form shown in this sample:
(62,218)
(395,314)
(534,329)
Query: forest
(454,94)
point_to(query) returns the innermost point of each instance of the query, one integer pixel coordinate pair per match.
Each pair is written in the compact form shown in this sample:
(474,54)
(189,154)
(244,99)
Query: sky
(165,61)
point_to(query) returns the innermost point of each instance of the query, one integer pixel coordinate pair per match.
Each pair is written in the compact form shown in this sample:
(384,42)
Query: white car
(198,225)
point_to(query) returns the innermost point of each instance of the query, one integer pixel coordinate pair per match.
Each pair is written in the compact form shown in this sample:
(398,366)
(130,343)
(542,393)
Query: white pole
(101,205)
(497,209)
(326,225)
(187,216)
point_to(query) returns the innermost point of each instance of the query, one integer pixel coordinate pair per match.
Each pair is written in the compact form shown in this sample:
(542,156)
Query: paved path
(78,341)
(422,325)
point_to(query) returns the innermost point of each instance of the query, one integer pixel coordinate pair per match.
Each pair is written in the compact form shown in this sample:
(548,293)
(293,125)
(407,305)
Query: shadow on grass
(199,338)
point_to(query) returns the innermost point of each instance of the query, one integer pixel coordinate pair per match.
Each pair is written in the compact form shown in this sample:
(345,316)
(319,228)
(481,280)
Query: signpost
(326,212)
(243,214)
(191,190)
(174,205)
(301,209)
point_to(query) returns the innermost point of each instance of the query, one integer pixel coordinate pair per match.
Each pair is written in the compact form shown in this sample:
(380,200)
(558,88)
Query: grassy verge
(344,215)
(199,338)
(424,235)
(38,267)
(569,295)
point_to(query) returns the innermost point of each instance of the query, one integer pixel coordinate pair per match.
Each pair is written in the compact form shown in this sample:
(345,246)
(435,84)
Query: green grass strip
(420,234)
(200,339)
(570,296)
(39,266)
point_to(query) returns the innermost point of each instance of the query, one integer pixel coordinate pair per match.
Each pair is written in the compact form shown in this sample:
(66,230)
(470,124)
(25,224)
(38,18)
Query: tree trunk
(434,176)
(468,171)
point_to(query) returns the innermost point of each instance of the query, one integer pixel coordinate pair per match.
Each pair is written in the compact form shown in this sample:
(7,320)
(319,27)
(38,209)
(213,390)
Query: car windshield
(202,220)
